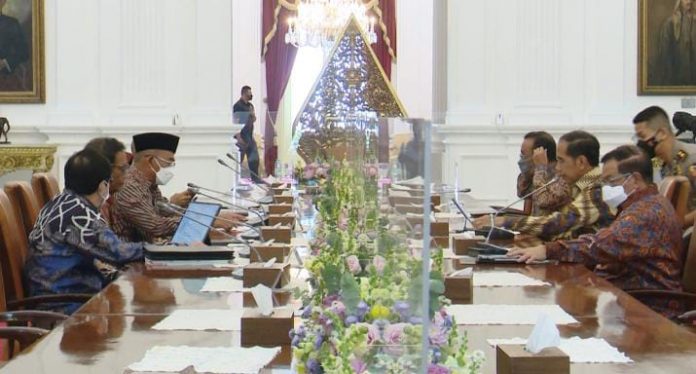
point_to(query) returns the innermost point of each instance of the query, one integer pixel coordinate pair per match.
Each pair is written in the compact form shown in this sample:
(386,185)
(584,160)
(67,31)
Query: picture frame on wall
(22,74)
(667,47)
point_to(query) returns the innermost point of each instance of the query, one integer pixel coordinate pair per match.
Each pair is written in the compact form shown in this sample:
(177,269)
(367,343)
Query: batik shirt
(549,199)
(640,250)
(586,213)
(68,241)
(135,214)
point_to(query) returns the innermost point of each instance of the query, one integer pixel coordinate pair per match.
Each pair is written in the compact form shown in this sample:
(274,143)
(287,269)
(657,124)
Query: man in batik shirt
(642,248)
(578,165)
(537,167)
(70,238)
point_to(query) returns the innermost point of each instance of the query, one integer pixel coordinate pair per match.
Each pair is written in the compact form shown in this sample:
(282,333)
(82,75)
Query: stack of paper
(507,314)
(217,360)
(200,320)
(505,279)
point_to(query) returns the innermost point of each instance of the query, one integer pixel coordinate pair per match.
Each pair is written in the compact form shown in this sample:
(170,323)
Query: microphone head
(221,162)
(192,185)
(231,156)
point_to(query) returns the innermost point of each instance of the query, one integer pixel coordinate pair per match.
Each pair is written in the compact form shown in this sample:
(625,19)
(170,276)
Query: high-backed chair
(24,202)
(676,189)
(45,187)
(12,263)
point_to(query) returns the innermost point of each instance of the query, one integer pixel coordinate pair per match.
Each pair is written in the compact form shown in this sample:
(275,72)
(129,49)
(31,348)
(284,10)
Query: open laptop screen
(194,226)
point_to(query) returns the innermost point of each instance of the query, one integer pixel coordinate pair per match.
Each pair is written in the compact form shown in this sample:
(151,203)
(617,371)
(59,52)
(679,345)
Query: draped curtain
(280,57)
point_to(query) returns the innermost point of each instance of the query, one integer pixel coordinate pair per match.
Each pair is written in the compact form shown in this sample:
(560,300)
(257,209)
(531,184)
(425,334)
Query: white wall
(541,64)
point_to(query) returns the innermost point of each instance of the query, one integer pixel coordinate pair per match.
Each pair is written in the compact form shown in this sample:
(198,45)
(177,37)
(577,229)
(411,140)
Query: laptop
(195,225)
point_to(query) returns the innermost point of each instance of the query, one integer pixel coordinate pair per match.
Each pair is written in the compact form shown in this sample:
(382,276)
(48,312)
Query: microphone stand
(227,204)
(182,212)
(497,212)
(226,165)
(228,194)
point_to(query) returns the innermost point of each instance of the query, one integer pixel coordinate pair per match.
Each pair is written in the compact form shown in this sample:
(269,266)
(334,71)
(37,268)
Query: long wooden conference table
(113,330)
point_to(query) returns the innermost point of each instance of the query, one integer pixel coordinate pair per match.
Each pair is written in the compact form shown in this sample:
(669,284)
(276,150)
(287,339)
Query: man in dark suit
(243,112)
(14,51)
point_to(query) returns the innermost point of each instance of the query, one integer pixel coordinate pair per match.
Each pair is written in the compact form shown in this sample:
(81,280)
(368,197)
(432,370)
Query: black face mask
(251,97)
(648,146)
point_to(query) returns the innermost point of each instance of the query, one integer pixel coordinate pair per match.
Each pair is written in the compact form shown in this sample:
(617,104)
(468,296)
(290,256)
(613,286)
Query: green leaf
(332,278)
(350,293)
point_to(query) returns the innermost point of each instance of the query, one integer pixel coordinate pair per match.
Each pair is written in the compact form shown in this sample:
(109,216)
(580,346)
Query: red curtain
(385,48)
(280,58)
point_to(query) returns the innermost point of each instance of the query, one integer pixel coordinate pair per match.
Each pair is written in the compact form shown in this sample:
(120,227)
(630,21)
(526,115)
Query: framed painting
(22,51)
(667,47)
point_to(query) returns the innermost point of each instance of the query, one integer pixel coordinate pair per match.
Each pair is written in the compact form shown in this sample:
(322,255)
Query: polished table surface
(113,329)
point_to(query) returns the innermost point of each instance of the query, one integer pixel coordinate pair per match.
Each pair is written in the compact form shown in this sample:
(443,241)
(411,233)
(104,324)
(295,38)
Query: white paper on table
(217,360)
(505,279)
(507,314)
(223,284)
(580,351)
(399,193)
(203,319)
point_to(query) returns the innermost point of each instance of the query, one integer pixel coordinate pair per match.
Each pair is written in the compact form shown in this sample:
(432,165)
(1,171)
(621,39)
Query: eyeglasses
(613,181)
(165,163)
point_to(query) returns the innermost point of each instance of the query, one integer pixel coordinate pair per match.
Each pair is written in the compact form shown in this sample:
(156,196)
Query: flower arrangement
(364,311)
(313,174)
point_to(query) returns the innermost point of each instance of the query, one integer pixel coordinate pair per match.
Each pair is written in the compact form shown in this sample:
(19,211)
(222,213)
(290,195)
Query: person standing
(243,112)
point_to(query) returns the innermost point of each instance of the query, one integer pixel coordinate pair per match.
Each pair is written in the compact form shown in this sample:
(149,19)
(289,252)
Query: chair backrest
(11,248)
(689,263)
(45,187)
(24,203)
(676,189)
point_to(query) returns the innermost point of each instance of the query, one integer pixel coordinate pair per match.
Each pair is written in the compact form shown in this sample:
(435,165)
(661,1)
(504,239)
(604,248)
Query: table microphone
(182,212)
(498,211)
(167,207)
(231,157)
(225,203)
(228,194)
(223,163)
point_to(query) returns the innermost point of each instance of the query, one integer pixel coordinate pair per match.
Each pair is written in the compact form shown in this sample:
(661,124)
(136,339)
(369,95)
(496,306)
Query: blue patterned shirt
(67,246)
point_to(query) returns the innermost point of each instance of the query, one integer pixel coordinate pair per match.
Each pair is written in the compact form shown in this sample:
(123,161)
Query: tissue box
(256,273)
(439,229)
(279,199)
(460,289)
(279,208)
(285,219)
(282,299)
(277,251)
(271,331)
(281,234)
(461,246)
(514,359)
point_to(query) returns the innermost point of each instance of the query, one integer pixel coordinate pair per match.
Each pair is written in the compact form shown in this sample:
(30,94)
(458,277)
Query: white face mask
(614,196)
(104,197)
(164,175)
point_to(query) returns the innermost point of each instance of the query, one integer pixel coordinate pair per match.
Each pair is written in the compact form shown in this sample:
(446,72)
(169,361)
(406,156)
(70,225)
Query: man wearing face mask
(537,163)
(69,236)
(135,214)
(244,113)
(656,137)
(578,164)
(641,249)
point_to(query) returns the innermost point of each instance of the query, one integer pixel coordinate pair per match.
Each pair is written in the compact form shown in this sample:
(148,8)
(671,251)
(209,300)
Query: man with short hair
(69,237)
(656,137)
(577,164)
(115,152)
(642,248)
(243,112)
(135,212)
(537,167)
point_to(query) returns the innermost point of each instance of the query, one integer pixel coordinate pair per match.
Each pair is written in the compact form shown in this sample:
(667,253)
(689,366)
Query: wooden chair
(45,187)
(676,189)
(12,263)
(24,202)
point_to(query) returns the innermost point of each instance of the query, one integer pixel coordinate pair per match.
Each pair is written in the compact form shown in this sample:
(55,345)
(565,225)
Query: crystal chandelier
(318,22)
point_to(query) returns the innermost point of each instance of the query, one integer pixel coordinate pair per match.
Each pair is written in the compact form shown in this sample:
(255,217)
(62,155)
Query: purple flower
(328,301)
(350,320)
(307,312)
(309,171)
(362,309)
(403,309)
(393,335)
(358,365)
(314,367)
(415,320)
(353,264)
(338,307)
(437,369)
(379,262)
(318,342)
(373,334)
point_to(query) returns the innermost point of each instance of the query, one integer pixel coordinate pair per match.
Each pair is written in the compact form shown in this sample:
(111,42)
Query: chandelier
(318,22)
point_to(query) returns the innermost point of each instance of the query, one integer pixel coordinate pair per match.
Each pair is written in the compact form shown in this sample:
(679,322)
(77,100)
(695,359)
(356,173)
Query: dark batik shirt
(135,215)
(69,242)
(640,250)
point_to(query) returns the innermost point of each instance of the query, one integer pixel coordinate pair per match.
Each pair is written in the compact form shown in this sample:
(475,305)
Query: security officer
(656,137)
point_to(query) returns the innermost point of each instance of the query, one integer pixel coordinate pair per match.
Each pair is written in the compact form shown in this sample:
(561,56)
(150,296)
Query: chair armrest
(688,317)
(35,317)
(34,301)
(25,336)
